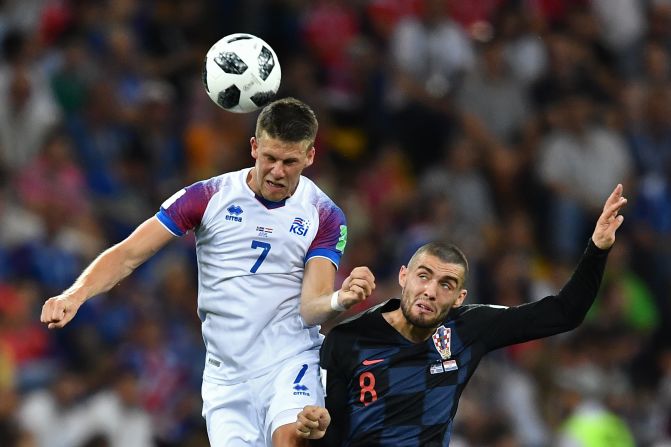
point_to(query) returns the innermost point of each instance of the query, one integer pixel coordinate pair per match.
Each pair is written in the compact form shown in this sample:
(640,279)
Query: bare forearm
(107,270)
(318,301)
(318,310)
(113,265)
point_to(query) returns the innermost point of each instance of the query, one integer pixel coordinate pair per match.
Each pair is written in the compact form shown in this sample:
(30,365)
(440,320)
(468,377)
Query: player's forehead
(426,262)
(279,148)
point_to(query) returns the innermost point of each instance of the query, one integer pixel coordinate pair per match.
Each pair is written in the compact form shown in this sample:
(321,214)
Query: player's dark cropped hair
(288,119)
(444,251)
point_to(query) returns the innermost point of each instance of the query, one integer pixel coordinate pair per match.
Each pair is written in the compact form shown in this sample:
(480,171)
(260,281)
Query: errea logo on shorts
(300,389)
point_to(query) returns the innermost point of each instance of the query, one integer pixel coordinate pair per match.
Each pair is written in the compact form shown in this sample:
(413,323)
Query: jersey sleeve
(184,210)
(331,235)
(553,314)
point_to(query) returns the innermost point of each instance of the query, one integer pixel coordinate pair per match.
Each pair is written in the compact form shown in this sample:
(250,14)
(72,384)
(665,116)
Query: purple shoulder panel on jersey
(184,210)
(332,233)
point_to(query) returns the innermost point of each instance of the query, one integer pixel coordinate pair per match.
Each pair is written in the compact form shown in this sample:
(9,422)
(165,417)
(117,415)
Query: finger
(616,194)
(308,420)
(46,310)
(368,275)
(359,291)
(324,420)
(58,312)
(360,270)
(310,423)
(615,206)
(303,432)
(611,211)
(55,325)
(362,273)
(66,317)
(364,285)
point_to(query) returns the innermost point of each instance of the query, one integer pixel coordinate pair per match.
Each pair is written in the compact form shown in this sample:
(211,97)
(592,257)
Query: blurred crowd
(500,125)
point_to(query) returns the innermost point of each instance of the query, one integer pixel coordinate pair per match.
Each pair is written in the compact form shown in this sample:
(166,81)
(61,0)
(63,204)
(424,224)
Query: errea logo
(299,388)
(234,212)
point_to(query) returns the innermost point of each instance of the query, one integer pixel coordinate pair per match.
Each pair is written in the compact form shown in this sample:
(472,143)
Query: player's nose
(277,170)
(430,289)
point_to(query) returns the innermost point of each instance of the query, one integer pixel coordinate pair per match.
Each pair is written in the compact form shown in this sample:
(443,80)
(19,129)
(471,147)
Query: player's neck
(409,331)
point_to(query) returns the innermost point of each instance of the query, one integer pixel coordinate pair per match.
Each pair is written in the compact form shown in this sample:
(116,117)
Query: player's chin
(274,192)
(425,321)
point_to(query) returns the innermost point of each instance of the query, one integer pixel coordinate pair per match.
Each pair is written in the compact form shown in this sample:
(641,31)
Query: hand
(357,287)
(59,310)
(312,422)
(609,221)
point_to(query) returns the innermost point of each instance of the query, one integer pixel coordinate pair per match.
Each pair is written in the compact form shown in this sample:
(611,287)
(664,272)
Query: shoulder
(185,209)
(314,193)
(212,185)
(325,207)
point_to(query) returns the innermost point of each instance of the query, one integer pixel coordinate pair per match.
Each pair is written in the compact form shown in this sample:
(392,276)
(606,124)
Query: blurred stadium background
(498,124)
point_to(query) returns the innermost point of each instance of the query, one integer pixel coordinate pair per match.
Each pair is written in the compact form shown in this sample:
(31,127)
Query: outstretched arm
(319,302)
(110,267)
(566,310)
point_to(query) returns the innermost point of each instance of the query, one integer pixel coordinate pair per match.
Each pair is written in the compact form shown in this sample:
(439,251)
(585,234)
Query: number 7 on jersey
(266,248)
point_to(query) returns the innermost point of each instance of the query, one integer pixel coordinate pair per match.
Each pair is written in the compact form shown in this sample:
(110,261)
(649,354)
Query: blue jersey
(384,390)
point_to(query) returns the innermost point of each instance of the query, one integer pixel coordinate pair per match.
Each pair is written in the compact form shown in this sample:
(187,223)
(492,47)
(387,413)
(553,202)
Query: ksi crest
(441,340)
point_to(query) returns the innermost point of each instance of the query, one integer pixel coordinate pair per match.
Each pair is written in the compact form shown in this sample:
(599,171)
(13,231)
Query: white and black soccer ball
(241,73)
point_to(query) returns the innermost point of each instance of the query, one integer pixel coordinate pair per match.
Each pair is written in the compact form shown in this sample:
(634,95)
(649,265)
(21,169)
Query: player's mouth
(424,308)
(274,186)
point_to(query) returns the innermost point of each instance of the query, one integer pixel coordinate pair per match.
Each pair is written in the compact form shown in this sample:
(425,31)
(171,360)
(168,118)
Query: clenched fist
(312,422)
(59,310)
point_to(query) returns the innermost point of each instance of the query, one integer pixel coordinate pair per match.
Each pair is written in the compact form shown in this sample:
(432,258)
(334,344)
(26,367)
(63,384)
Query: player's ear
(402,276)
(310,156)
(255,147)
(462,297)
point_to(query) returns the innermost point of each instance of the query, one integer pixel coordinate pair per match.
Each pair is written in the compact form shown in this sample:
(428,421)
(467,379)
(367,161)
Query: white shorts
(246,414)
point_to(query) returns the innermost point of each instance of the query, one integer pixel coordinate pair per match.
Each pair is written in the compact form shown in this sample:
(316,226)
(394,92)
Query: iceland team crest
(441,340)
(299,226)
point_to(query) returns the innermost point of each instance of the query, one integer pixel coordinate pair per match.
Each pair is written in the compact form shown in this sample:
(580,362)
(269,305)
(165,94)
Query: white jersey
(251,257)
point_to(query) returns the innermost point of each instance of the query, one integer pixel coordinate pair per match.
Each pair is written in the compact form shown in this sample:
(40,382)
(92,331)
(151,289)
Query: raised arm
(319,302)
(566,310)
(107,270)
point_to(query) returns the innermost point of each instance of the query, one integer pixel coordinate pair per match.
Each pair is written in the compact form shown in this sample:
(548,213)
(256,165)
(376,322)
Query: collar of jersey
(269,203)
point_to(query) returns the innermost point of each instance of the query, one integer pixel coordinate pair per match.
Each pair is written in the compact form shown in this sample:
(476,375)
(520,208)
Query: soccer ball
(241,73)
